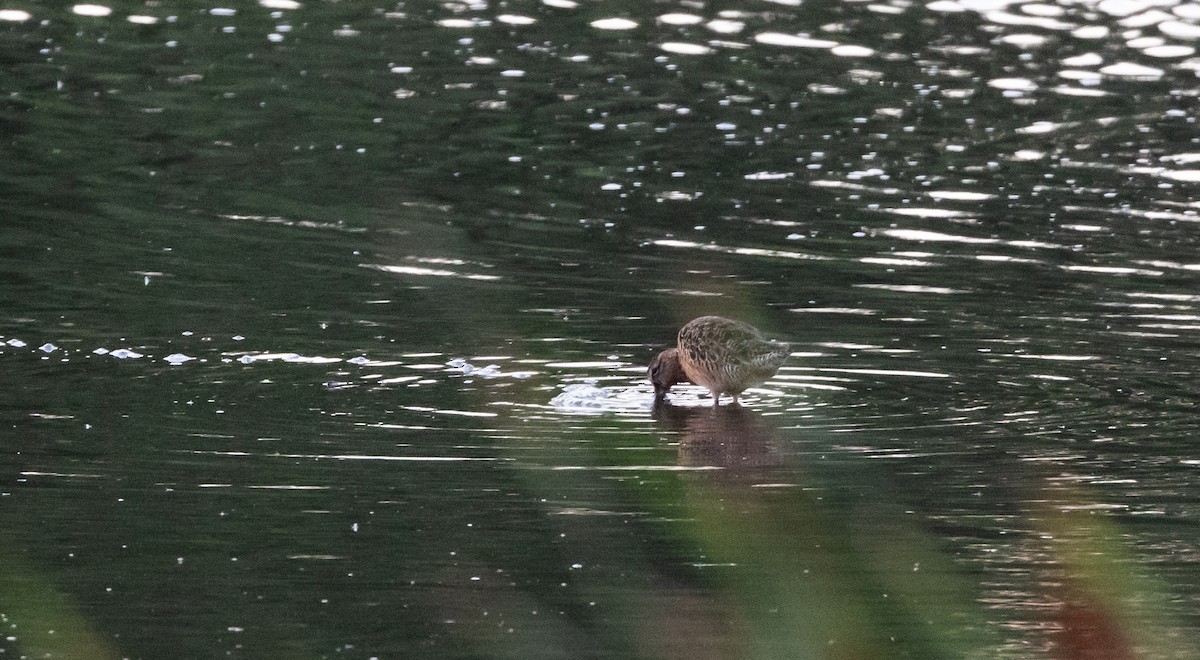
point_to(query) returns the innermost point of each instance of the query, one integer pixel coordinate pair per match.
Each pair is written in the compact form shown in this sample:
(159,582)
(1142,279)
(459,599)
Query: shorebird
(724,355)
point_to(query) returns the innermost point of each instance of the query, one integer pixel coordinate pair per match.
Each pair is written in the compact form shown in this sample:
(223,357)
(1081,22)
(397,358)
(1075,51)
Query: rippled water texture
(323,329)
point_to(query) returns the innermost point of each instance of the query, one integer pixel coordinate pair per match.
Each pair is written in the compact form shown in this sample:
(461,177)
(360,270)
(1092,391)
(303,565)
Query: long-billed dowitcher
(724,355)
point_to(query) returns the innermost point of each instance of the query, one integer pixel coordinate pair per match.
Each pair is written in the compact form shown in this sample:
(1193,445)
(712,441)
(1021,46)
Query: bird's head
(665,370)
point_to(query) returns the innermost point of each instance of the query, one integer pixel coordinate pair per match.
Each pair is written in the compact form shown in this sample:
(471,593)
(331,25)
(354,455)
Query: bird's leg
(716,399)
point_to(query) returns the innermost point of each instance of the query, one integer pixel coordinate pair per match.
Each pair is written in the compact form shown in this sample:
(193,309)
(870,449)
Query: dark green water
(323,330)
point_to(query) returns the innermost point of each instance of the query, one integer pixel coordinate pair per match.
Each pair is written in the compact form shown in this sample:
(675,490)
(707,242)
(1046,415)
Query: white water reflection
(959,195)
(431,272)
(745,251)
(92,10)
(793,40)
(912,288)
(903,373)
(342,457)
(682,48)
(1057,358)
(921,235)
(515,19)
(618,24)
(920,212)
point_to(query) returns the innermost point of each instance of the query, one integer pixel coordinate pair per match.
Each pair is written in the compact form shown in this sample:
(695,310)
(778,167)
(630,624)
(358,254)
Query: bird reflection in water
(750,507)
(730,437)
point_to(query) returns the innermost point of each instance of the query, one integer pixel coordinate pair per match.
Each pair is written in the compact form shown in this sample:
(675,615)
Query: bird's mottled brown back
(711,340)
(728,355)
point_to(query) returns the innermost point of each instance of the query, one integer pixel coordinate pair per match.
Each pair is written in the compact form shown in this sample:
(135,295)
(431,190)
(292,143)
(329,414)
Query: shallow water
(323,330)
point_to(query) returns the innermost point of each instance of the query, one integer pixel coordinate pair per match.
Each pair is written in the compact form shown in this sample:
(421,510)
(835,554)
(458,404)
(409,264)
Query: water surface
(323,329)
